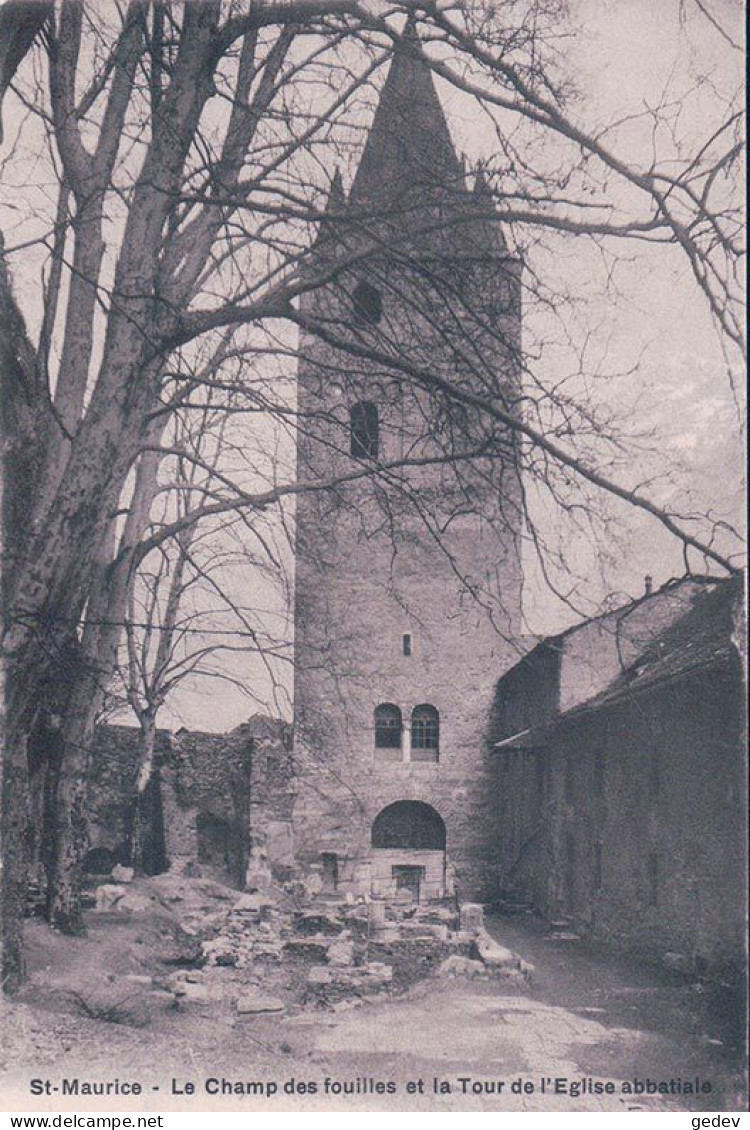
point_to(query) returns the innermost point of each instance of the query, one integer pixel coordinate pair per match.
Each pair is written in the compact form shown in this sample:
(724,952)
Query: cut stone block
(108,896)
(134,902)
(472,916)
(341,953)
(320,975)
(122,874)
(251,1003)
(492,953)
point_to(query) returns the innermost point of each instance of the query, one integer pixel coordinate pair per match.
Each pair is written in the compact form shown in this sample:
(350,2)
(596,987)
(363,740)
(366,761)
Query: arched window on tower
(367,304)
(388,731)
(425,733)
(364,430)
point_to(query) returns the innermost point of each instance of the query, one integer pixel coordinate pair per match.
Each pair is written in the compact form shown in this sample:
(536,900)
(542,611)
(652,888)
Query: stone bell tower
(408,575)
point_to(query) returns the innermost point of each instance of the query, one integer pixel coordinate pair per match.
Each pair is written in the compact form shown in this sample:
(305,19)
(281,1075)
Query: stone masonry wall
(370,570)
(112,788)
(217,795)
(632,821)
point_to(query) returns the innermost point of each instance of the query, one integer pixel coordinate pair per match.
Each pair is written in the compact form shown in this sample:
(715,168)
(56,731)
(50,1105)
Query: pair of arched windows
(364,430)
(424,735)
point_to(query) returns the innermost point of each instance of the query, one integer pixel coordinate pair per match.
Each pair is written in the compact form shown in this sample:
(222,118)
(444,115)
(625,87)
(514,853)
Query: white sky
(625,54)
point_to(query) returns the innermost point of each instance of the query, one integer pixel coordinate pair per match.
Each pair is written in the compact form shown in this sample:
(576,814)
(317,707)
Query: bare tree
(183,618)
(185,145)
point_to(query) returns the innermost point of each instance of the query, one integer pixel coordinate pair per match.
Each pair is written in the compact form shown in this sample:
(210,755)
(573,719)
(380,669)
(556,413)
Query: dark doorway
(330,870)
(213,840)
(409,824)
(570,873)
(153,847)
(408,878)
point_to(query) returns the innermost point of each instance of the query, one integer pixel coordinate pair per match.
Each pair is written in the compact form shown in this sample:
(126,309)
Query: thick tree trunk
(64,892)
(44,759)
(20,23)
(67,829)
(17,483)
(57,517)
(70,829)
(14,859)
(143,813)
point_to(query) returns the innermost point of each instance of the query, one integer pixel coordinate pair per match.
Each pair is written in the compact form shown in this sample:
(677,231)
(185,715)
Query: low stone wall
(432,883)
(115,759)
(217,799)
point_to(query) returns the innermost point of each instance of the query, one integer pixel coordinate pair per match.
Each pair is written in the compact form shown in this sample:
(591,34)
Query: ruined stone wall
(206,795)
(114,768)
(217,795)
(273,788)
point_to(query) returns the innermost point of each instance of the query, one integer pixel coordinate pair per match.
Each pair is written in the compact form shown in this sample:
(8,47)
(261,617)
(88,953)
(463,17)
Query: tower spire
(485,232)
(329,226)
(409,158)
(336,195)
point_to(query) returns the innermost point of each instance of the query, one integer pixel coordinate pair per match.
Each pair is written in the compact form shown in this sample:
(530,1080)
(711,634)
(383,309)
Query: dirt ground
(96,1010)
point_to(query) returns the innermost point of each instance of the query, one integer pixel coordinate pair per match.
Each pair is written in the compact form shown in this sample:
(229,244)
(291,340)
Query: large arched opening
(408,841)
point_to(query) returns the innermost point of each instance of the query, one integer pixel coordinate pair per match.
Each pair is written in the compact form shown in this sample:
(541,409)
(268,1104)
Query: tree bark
(142,812)
(14,866)
(69,826)
(20,23)
(68,832)
(18,402)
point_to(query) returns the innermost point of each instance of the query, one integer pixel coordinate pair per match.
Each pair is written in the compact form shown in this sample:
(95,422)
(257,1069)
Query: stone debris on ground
(108,895)
(122,874)
(361,981)
(279,947)
(457,966)
(341,952)
(312,946)
(134,903)
(493,954)
(318,922)
(255,1004)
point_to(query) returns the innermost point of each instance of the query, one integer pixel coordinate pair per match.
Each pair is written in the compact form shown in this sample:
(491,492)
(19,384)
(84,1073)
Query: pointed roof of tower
(336,196)
(409,154)
(334,209)
(485,232)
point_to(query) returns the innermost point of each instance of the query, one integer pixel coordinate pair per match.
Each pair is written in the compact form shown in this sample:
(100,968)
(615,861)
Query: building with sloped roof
(621,775)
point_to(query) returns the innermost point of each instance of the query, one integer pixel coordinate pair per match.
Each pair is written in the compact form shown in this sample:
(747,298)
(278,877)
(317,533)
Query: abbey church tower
(408,577)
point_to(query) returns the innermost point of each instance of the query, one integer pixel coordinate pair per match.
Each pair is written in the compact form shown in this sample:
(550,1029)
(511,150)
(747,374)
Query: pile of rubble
(285,947)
